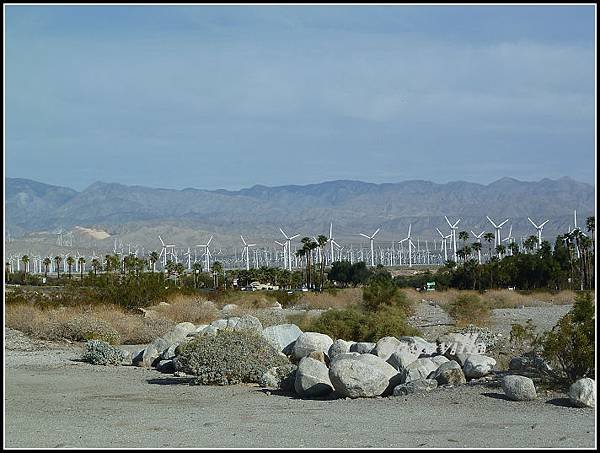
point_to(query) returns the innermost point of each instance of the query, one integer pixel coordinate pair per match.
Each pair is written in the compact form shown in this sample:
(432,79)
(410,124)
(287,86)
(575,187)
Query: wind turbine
(206,254)
(509,239)
(453,228)
(479,240)
(444,244)
(410,245)
(539,229)
(498,240)
(289,248)
(246,250)
(163,252)
(284,245)
(370,238)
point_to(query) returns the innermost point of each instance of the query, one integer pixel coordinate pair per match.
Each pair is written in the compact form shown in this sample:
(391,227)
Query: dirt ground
(54,400)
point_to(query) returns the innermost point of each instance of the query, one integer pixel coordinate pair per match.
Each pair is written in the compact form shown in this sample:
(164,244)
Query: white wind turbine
(164,251)
(370,238)
(453,228)
(284,245)
(410,245)
(246,251)
(478,240)
(289,248)
(189,258)
(509,239)
(539,229)
(498,240)
(207,254)
(444,244)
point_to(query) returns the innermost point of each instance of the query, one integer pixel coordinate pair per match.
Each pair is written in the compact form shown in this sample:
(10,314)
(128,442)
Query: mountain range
(137,214)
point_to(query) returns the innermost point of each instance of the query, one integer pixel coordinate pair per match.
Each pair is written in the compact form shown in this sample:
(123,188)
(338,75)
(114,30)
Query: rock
(519,388)
(248,322)
(362,375)
(232,322)
(517,364)
(308,342)
(477,365)
(166,366)
(282,336)
(582,393)
(169,353)
(449,373)
(320,356)
(339,346)
(439,359)
(362,347)
(386,346)
(219,323)
(419,369)
(312,378)
(154,350)
(165,304)
(342,355)
(418,386)
(281,377)
(530,361)
(201,327)
(456,343)
(136,357)
(460,358)
(419,345)
(401,359)
(127,357)
(230,307)
(178,333)
(209,330)
(277,306)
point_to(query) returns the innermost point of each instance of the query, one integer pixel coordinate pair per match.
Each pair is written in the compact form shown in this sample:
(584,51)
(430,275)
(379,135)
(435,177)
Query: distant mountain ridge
(353,206)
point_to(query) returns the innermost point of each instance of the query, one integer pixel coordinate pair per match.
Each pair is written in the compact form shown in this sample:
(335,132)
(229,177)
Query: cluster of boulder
(392,366)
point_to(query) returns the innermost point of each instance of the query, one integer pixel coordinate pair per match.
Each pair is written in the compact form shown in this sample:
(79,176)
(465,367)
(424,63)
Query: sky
(232,96)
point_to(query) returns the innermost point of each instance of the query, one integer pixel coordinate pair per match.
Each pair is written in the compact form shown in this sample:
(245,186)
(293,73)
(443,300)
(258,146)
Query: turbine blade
(368,237)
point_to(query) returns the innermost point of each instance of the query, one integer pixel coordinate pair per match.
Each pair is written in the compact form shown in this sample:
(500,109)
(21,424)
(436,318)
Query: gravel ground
(52,399)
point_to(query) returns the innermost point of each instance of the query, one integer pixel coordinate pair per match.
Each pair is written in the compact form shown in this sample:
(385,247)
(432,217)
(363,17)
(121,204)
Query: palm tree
(514,248)
(7,271)
(500,250)
(95,265)
(107,262)
(196,268)
(153,259)
(217,270)
(530,243)
(489,237)
(463,236)
(70,262)
(80,263)
(57,261)
(322,241)
(476,246)
(301,252)
(47,262)
(25,261)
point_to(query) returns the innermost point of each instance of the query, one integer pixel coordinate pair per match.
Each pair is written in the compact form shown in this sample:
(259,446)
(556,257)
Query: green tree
(489,237)
(381,290)
(80,263)
(70,262)
(47,262)
(57,261)
(96,265)
(25,261)
(322,241)
(153,259)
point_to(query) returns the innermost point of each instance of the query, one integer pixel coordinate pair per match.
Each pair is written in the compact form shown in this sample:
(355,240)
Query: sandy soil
(52,399)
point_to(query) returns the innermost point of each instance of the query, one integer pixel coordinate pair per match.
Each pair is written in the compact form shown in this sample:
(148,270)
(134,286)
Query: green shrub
(571,343)
(469,309)
(101,353)
(382,291)
(229,357)
(347,324)
(358,325)
(524,336)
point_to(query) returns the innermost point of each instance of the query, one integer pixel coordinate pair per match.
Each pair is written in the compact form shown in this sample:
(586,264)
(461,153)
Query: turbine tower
(478,237)
(444,245)
(539,229)
(410,245)
(246,250)
(289,248)
(453,228)
(163,252)
(207,254)
(370,238)
(498,240)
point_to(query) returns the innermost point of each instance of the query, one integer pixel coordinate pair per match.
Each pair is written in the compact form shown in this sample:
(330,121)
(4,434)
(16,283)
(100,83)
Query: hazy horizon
(228,97)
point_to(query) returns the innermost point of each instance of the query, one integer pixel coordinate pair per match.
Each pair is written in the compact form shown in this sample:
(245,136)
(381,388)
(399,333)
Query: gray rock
(362,347)
(201,327)
(519,388)
(386,346)
(166,366)
(320,356)
(460,358)
(282,336)
(362,375)
(178,333)
(418,386)
(419,369)
(169,353)
(232,322)
(136,357)
(419,345)
(248,322)
(339,346)
(308,342)
(312,378)
(477,365)
(127,357)
(230,307)
(449,373)
(282,377)
(582,393)
(343,355)
(209,330)
(439,359)
(401,359)
(219,323)
(456,343)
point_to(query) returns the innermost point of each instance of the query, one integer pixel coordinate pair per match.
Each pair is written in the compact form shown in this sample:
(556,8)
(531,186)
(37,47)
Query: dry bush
(302,320)
(469,309)
(248,299)
(343,298)
(182,308)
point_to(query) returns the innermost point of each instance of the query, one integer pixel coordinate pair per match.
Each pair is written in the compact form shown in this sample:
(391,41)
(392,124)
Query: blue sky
(228,97)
